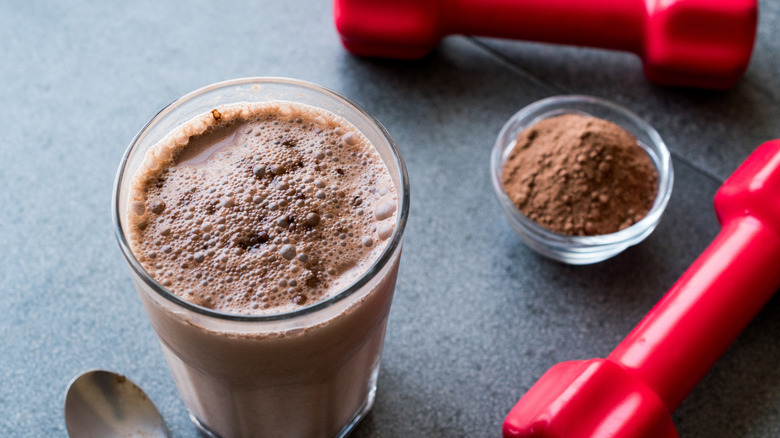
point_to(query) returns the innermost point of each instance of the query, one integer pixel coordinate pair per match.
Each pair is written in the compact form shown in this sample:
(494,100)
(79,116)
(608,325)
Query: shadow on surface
(426,412)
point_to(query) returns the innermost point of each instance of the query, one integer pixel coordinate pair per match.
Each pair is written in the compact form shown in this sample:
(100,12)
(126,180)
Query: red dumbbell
(689,43)
(632,393)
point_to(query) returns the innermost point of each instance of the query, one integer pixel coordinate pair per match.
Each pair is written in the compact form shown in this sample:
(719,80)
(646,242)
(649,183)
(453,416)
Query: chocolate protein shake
(267,238)
(261,208)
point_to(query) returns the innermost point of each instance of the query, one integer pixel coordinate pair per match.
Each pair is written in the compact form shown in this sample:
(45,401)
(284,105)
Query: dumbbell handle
(675,345)
(606,24)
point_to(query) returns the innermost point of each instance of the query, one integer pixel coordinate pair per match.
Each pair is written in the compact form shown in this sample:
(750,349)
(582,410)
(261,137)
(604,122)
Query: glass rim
(370,273)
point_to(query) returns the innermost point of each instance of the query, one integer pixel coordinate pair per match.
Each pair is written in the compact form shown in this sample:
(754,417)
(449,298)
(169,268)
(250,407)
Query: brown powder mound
(580,176)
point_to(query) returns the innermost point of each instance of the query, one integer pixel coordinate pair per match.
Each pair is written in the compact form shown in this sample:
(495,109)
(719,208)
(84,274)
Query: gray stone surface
(477,318)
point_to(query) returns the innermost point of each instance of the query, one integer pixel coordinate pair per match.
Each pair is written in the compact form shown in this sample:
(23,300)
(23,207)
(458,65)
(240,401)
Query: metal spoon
(104,404)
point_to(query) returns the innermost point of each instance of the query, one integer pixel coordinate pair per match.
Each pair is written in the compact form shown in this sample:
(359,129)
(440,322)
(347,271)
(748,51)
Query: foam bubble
(384,231)
(350,138)
(157,206)
(312,219)
(385,210)
(138,208)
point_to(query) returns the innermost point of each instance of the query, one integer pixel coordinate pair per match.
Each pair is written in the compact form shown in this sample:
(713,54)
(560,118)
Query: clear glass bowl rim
(564,104)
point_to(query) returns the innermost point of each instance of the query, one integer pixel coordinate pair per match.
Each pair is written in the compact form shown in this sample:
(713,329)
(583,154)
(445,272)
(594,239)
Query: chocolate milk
(274,211)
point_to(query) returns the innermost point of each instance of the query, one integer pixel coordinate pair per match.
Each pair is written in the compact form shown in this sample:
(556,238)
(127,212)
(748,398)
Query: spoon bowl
(101,403)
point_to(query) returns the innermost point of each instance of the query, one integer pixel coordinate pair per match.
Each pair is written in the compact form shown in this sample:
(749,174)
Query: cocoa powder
(579,175)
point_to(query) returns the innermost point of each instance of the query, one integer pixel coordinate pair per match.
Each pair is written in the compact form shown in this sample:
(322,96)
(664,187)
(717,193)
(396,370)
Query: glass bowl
(581,250)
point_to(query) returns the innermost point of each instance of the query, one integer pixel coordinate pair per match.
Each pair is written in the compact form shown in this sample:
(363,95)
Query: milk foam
(261,208)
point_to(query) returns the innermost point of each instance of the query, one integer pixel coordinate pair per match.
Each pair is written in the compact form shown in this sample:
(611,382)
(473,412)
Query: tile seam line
(562,90)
